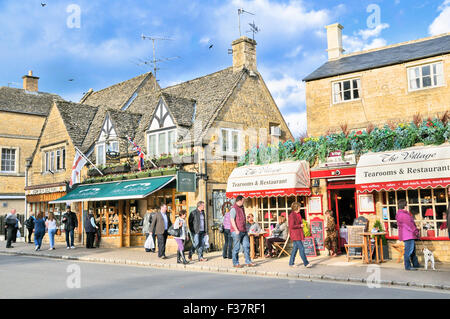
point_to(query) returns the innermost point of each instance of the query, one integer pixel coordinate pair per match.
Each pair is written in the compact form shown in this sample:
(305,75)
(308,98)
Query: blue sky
(107,47)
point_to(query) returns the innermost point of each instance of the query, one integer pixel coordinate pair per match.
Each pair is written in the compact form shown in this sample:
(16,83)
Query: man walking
(160,224)
(29,223)
(70,224)
(408,233)
(239,233)
(11,222)
(197,226)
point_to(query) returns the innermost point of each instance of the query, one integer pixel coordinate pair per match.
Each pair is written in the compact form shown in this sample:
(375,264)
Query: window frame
(97,153)
(341,81)
(230,142)
(16,156)
(52,160)
(420,67)
(167,148)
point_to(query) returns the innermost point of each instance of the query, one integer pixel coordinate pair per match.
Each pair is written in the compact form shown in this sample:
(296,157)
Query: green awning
(128,189)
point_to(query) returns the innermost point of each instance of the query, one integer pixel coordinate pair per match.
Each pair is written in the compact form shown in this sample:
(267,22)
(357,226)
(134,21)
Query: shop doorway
(343,205)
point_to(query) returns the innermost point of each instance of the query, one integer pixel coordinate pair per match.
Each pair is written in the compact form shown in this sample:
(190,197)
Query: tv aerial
(155,61)
(240,12)
(254,29)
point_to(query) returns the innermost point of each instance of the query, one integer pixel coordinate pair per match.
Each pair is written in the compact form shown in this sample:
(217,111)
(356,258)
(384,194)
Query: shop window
(427,207)
(219,198)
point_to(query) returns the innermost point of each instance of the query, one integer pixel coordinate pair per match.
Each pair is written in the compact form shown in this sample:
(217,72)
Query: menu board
(317,233)
(310,247)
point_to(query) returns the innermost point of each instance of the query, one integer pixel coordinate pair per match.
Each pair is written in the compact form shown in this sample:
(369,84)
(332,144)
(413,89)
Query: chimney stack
(244,54)
(30,82)
(334,39)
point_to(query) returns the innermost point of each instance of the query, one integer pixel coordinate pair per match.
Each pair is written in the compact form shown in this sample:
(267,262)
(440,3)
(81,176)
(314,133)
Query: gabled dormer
(161,134)
(107,141)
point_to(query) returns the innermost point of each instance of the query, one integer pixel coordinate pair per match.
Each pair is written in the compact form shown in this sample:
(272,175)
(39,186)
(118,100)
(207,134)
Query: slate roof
(209,92)
(77,119)
(26,102)
(379,58)
(181,108)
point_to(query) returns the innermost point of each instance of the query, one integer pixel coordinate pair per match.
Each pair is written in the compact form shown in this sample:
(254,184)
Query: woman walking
(227,250)
(330,241)
(180,223)
(51,227)
(39,230)
(408,233)
(296,233)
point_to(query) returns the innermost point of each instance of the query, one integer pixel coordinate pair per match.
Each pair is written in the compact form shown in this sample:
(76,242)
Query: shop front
(419,175)
(120,206)
(271,189)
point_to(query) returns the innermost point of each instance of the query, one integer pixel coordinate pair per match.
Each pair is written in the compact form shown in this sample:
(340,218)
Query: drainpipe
(27,167)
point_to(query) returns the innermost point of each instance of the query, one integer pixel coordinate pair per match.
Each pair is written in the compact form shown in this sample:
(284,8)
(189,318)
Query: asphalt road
(34,277)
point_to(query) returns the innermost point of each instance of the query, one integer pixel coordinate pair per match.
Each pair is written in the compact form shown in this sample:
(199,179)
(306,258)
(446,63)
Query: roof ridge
(196,79)
(117,84)
(393,45)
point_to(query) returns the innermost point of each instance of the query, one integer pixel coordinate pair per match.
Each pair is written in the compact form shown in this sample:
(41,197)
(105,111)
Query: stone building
(201,126)
(391,84)
(22,115)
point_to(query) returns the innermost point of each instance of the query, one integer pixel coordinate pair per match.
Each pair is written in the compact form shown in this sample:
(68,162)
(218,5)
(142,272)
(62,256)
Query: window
(8,160)
(426,76)
(346,90)
(113,146)
(101,155)
(427,206)
(55,160)
(161,143)
(230,142)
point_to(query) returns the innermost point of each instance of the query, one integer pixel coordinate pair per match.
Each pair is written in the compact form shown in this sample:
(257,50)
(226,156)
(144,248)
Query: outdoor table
(260,237)
(378,241)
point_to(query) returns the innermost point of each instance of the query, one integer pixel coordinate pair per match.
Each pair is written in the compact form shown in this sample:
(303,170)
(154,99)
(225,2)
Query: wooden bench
(355,240)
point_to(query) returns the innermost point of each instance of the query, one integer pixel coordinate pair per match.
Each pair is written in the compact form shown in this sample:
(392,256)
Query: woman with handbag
(50,223)
(297,236)
(180,227)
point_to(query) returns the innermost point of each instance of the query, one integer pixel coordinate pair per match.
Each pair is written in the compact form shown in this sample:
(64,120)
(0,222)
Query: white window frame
(432,75)
(341,93)
(97,153)
(50,158)
(16,156)
(229,150)
(168,149)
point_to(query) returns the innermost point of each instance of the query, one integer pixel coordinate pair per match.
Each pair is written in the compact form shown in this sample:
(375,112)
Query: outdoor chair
(355,240)
(281,247)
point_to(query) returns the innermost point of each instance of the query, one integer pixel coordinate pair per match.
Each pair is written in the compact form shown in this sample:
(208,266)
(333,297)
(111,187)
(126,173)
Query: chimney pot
(30,82)
(334,39)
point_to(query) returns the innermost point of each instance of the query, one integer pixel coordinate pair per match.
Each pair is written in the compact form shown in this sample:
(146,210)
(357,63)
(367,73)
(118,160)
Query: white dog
(429,256)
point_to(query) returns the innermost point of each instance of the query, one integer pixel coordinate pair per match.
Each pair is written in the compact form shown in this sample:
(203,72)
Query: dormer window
(162,132)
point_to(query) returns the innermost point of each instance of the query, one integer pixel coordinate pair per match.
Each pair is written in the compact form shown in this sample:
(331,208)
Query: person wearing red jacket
(296,233)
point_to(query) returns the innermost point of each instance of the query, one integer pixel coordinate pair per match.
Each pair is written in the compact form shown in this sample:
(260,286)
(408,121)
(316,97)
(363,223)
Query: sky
(76,45)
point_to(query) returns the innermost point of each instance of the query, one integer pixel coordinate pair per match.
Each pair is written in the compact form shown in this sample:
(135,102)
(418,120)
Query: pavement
(324,268)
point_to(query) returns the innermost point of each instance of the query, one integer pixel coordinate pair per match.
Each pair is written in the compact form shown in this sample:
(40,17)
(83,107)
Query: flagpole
(129,140)
(87,159)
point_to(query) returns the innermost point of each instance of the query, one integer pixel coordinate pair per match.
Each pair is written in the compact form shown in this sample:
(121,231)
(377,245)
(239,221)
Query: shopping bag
(18,234)
(206,241)
(149,243)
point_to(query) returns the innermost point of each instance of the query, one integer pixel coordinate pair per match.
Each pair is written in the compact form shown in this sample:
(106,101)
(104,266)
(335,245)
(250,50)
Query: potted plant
(155,172)
(164,160)
(122,168)
(379,227)
(169,171)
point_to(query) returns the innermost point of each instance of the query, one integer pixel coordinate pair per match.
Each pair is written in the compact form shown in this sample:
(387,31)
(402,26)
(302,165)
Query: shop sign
(335,159)
(47,190)
(186,182)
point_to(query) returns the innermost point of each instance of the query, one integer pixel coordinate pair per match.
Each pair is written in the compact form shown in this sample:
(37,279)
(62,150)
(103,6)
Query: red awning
(277,179)
(412,168)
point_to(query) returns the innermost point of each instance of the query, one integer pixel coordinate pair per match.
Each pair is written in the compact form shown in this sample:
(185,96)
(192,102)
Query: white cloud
(374,32)
(204,40)
(442,22)
(294,52)
(364,39)
(296,123)
(287,91)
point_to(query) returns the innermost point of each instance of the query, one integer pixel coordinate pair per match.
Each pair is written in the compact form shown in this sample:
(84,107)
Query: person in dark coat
(90,228)
(29,223)
(296,234)
(160,224)
(70,221)
(197,226)
(10,223)
(39,230)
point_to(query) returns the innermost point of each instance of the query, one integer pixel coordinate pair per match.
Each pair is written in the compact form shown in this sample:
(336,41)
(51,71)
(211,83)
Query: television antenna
(254,29)
(155,61)
(240,12)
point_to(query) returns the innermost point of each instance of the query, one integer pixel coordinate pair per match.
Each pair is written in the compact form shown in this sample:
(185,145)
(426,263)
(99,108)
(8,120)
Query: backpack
(29,223)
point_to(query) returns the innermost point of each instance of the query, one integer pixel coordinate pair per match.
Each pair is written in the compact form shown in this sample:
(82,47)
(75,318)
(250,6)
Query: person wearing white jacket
(180,223)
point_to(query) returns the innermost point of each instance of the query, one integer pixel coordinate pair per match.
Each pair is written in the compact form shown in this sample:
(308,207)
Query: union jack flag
(139,153)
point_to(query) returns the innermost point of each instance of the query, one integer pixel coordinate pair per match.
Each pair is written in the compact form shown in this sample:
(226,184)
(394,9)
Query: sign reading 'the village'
(410,168)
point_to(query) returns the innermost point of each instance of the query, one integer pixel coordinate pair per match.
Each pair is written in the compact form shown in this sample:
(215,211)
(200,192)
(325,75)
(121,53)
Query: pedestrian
(39,230)
(29,224)
(90,228)
(148,219)
(50,223)
(296,233)
(70,221)
(17,226)
(160,224)
(180,223)
(227,250)
(279,234)
(197,226)
(408,233)
(330,241)
(239,233)
(10,224)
